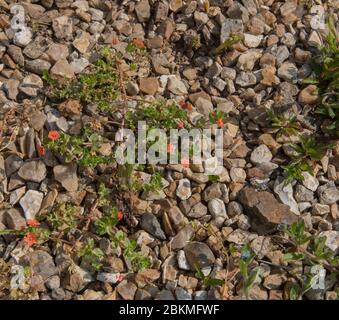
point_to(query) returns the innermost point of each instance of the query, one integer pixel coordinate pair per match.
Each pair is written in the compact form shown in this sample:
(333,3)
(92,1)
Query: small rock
(182,294)
(112,278)
(149,85)
(261,154)
(183,191)
(266,211)
(176,86)
(14,219)
(252,41)
(143,10)
(182,261)
(31,203)
(127,289)
(320,209)
(199,254)
(285,194)
(150,223)
(82,42)
(332,240)
(230,26)
(288,71)
(218,211)
(309,181)
(63,27)
(62,69)
(42,264)
(308,95)
(246,79)
(328,193)
(37,66)
(33,171)
(67,176)
(31,85)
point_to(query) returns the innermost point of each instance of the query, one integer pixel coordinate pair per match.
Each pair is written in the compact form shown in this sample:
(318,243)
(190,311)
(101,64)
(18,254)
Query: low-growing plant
(91,254)
(84,149)
(158,114)
(63,217)
(326,78)
(308,150)
(285,125)
(314,253)
(98,85)
(129,247)
(249,276)
(228,43)
(106,224)
(208,281)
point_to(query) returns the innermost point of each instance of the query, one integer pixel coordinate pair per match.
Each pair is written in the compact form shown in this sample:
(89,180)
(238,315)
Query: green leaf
(293,256)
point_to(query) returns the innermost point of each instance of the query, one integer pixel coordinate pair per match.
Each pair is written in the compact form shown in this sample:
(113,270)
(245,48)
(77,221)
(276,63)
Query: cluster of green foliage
(208,281)
(285,126)
(129,179)
(91,254)
(83,149)
(98,85)
(313,252)
(62,217)
(308,149)
(228,43)
(249,275)
(137,260)
(157,114)
(326,69)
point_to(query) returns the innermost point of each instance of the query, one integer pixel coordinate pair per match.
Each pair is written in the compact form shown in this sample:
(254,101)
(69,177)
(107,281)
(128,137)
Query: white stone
(31,203)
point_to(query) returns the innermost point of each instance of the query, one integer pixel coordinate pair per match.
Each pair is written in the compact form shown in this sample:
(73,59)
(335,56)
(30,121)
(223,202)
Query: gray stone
(31,203)
(42,264)
(218,211)
(332,240)
(261,154)
(328,193)
(285,194)
(183,191)
(246,79)
(230,26)
(182,294)
(33,171)
(199,254)
(309,181)
(150,223)
(302,194)
(288,71)
(176,86)
(37,66)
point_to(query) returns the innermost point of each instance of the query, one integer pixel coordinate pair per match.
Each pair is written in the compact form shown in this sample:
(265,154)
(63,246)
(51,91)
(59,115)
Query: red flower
(33,223)
(53,135)
(115,40)
(120,215)
(189,106)
(220,122)
(182,104)
(41,150)
(30,239)
(181,125)
(139,43)
(169,148)
(185,163)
